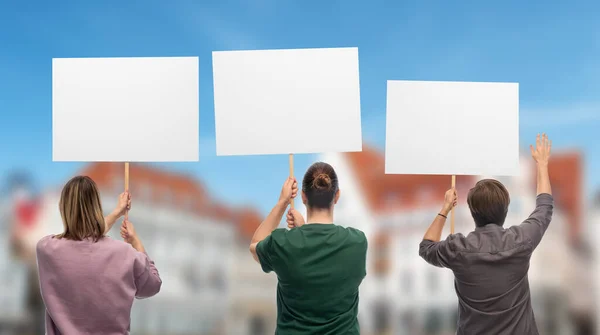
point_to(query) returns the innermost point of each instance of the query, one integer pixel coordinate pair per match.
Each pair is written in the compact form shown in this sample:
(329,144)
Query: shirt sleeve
(441,254)
(147,279)
(264,252)
(537,223)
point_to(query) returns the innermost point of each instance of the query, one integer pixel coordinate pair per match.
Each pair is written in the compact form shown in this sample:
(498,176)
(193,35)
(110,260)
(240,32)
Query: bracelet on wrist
(442,215)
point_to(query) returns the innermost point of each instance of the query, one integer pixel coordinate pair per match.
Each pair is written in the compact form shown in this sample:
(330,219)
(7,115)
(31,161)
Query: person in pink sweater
(89,281)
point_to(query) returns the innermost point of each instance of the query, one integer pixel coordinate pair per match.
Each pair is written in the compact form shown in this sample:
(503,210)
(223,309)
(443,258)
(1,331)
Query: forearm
(270,223)
(434,233)
(110,220)
(137,245)
(543,179)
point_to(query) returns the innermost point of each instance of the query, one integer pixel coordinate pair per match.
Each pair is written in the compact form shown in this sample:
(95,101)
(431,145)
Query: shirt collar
(489,226)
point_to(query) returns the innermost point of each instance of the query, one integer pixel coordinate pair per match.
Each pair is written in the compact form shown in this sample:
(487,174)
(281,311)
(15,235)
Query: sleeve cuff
(261,257)
(426,242)
(544,199)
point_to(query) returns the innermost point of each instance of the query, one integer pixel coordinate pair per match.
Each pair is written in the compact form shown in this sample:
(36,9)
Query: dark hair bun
(322,182)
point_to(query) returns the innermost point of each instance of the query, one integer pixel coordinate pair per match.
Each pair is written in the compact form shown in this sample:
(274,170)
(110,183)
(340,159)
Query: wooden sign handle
(292,175)
(452,213)
(126,186)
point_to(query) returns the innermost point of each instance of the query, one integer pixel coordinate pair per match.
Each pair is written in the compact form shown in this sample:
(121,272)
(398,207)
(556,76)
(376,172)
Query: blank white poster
(125,109)
(287,101)
(452,128)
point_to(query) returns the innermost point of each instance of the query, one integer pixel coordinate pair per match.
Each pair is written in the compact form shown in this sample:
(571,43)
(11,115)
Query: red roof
(388,193)
(177,189)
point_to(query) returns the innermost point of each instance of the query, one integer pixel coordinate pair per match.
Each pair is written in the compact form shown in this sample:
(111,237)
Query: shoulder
(43,244)
(278,236)
(356,235)
(354,231)
(458,241)
(116,246)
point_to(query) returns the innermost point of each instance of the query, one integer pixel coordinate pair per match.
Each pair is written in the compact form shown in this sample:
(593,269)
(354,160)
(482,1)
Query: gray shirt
(490,268)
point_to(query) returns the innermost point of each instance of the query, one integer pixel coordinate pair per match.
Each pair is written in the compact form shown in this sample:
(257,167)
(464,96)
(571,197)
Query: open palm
(541,152)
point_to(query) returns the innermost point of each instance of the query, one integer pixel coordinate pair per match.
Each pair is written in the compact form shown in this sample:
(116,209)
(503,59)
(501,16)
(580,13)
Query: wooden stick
(292,175)
(126,186)
(452,213)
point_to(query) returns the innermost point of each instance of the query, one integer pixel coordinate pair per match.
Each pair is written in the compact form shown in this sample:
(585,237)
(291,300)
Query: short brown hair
(81,210)
(488,202)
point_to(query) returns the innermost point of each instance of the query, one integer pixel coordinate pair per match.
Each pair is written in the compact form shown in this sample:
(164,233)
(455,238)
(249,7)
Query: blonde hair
(81,210)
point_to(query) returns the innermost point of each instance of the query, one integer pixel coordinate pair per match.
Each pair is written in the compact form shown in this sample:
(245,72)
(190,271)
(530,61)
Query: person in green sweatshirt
(319,265)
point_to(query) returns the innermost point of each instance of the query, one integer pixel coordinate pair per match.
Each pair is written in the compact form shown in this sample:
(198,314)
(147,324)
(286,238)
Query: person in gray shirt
(490,264)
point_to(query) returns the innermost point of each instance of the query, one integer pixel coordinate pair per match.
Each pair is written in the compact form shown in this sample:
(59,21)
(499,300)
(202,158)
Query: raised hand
(123,204)
(541,152)
(450,200)
(294,219)
(128,232)
(289,190)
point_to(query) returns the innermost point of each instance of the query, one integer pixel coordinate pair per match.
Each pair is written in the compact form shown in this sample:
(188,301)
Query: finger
(531,148)
(537,141)
(544,140)
(549,146)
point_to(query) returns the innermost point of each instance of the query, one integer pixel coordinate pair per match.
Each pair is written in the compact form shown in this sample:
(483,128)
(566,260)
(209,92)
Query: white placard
(125,109)
(452,128)
(287,101)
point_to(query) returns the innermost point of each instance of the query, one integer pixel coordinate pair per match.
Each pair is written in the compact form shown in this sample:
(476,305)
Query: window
(433,322)
(406,281)
(381,317)
(432,280)
(408,323)
(258,326)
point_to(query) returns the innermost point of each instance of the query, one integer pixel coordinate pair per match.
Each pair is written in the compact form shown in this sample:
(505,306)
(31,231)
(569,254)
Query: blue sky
(552,50)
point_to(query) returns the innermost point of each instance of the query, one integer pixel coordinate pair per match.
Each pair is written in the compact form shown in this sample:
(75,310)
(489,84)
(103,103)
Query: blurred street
(213,286)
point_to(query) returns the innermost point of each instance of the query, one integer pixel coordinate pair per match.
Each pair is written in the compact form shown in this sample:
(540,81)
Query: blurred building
(403,294)
(21,308)
(191,239)
(254,309)
(211,283)
(594,232)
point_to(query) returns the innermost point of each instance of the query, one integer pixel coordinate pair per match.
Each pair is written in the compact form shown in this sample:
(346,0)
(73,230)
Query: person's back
(490,268)
(89,287)
(319,267)
(490,264)
(89,281)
